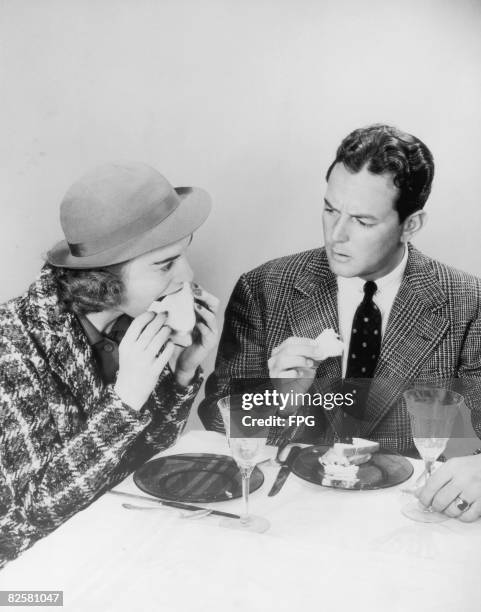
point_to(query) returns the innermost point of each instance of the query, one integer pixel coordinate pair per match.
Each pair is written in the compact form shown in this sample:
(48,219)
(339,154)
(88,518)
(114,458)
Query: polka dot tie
(364,349)
(365,344)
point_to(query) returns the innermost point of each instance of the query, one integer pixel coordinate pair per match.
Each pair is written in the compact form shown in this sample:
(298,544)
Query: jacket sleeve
(469,372)
(170,406)
(45,477)
(241,353)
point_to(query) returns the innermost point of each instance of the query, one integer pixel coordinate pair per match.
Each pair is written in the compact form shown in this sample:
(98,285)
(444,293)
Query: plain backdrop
(246,99)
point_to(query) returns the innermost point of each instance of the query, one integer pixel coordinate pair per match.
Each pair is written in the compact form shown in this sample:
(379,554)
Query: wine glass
(432,412)
(246,452)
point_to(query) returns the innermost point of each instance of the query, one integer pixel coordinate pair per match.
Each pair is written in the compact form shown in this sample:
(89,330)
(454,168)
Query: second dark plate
(384,469)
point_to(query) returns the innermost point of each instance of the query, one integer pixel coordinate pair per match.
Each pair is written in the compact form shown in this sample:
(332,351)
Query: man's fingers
(440,478)
(472,513)
(304,350)
(288,362)
(294,341)
(288,374)
(136,327)
(445,496)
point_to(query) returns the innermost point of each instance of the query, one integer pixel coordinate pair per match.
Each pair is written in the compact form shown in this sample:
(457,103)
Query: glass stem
(246,475)
(428,467)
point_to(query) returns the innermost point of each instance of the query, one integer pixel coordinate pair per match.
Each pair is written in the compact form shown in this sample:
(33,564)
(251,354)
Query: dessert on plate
(341,462)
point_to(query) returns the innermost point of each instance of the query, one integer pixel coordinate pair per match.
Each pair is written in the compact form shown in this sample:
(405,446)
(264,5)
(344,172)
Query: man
(402,316)
(91,383)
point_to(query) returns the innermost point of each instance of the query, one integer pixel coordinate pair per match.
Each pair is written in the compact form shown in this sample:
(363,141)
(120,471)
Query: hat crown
(113,196)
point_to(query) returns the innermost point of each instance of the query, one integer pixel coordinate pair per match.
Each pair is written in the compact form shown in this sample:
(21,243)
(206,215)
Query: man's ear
(412,225)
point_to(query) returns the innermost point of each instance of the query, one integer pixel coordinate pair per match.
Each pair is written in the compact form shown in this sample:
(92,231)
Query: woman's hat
(119,211)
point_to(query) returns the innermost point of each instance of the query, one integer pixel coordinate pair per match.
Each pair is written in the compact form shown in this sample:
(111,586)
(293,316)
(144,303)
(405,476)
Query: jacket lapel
(414,329)
(65,346)
(314,309)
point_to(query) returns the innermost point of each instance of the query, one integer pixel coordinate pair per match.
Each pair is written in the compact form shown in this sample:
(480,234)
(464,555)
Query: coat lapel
(314,309)
(65,346)
(414,329)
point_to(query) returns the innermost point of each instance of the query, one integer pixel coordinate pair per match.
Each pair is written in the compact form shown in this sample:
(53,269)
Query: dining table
(327,549)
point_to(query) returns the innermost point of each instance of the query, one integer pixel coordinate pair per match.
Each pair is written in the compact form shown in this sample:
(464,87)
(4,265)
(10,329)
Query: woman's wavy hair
(88,290)
(385,149)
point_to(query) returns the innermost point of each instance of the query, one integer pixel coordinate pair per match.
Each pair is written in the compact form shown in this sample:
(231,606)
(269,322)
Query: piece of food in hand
(329,344)
(179,307)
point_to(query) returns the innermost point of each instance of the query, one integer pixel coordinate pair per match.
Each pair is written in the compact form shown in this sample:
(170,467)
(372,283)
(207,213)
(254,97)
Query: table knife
(174,504)
(284,471)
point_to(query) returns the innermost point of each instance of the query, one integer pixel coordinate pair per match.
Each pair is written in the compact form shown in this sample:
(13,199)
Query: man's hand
(296,359)
(458,477)
(204,337)
(142,357)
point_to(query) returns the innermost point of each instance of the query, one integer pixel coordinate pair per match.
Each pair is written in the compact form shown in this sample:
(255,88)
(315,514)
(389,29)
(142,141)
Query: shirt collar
(392,278)
(116,332)
(92,333)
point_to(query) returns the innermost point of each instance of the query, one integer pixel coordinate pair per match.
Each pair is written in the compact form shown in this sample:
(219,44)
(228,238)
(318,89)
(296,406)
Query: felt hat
(119,211)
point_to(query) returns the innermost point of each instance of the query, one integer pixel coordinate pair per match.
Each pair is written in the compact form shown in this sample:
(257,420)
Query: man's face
(153,275)
(362,233)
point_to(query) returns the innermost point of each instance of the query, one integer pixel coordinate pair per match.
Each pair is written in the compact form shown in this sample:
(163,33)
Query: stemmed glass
(432,412)
(246,452)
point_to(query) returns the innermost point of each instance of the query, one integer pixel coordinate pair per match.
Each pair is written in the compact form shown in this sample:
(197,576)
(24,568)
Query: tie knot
(370,289)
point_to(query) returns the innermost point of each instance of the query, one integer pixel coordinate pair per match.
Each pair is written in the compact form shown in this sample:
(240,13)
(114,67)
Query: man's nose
(183,271)
(340,230)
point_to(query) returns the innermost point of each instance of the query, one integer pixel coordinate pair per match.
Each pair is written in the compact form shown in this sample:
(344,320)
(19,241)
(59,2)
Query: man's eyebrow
(361,216)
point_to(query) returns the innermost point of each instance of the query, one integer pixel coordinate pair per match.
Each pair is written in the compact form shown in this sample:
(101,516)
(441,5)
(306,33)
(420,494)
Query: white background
(248,99)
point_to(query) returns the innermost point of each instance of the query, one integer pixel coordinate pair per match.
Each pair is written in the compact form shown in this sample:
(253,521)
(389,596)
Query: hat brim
(191,213)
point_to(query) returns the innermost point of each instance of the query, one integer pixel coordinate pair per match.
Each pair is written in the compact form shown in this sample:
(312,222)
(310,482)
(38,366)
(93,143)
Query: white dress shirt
(350,294)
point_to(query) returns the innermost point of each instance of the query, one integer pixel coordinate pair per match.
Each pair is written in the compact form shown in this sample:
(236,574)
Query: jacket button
(108,348)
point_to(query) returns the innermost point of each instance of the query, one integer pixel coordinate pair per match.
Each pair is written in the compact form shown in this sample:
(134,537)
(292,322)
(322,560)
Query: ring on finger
(461,504)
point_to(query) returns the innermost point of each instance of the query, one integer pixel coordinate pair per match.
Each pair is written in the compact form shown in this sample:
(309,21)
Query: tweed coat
(65,436)
(433,335)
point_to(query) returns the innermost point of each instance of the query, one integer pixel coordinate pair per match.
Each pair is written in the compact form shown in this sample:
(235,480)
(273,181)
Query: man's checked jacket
(433,335)
(65,437)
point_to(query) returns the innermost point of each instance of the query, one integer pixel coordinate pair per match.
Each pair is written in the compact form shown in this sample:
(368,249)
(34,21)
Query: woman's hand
(204,336)
(142,357)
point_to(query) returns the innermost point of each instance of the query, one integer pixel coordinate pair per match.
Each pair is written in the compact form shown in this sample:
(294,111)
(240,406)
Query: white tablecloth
(329,549)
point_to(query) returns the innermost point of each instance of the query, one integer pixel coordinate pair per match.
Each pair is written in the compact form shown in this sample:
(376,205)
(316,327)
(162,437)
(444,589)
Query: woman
(91,382)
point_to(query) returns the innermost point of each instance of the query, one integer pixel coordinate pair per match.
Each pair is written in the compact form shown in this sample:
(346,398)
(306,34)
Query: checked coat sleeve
(57,455)
(242,352)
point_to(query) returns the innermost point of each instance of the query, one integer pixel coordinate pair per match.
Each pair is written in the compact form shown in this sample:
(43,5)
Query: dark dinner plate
(194,477)
(384,469)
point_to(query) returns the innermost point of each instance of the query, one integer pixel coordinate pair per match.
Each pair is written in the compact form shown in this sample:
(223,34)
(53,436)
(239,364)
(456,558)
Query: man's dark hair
(384,149)
(89,290)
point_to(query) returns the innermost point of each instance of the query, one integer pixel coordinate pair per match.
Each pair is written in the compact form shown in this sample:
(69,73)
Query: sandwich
(341,462)
(329,344)
(179,308)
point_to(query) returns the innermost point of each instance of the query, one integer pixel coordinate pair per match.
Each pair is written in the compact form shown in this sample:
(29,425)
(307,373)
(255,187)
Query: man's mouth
(339,256)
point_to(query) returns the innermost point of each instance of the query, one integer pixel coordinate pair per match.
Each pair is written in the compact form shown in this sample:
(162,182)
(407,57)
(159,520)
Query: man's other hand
(457,480)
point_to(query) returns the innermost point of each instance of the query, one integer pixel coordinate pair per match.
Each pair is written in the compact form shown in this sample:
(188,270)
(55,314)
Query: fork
(185,514)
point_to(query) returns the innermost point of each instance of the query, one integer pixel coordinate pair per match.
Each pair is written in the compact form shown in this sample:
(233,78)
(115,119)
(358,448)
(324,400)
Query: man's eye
(363,223)
(328,210)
